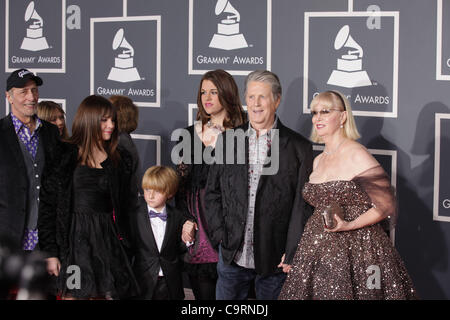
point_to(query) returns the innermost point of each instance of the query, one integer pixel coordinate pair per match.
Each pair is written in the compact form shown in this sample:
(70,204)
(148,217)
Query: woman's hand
(53,266)
(188,232)
(342,225)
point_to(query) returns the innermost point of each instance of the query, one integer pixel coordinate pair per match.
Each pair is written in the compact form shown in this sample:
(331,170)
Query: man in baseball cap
(26,144)
(20,77)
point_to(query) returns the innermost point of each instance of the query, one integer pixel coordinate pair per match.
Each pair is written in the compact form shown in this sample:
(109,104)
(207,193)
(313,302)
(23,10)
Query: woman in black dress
(84,203)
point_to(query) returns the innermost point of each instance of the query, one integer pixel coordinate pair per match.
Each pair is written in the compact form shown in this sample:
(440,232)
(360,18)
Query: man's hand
(53,266)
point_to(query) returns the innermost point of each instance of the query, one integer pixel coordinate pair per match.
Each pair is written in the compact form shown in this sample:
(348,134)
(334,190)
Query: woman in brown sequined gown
(355,259)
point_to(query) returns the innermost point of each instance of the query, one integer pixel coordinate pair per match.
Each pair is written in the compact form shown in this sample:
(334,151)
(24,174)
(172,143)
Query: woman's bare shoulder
(360,158)
(317,160)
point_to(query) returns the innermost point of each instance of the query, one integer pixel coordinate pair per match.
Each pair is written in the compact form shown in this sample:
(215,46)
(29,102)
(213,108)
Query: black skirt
(97,265)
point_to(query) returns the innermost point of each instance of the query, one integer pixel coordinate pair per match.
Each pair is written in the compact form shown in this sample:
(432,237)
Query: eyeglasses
(323,112)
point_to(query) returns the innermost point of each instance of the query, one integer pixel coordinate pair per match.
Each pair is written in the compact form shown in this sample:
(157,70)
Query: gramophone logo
(34,40)
(228,36)
(359,67)
(124,69)
(132,66)
(349,73)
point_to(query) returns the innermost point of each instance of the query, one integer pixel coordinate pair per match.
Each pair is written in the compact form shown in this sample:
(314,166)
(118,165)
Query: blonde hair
(48,110)
(162,179)
(335,99)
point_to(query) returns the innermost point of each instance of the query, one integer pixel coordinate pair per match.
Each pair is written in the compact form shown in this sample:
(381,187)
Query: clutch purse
(328,215)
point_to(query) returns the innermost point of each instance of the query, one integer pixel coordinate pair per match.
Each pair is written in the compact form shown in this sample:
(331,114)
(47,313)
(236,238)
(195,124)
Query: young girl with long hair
(219,108)
(84,204)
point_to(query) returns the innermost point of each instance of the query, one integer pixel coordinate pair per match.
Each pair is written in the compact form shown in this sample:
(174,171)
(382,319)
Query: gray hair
(267,77)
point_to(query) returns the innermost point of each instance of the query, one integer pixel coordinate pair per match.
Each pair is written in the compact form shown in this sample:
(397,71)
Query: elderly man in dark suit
(256,212)
(26,143)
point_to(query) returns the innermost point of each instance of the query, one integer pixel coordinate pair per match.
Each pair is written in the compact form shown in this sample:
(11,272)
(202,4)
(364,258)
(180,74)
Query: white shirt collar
(252,131)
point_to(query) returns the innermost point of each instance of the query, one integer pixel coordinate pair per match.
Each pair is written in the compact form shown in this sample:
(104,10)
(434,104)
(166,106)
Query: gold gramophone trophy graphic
(228,36)
(349,73)
(34,40)
(123,70)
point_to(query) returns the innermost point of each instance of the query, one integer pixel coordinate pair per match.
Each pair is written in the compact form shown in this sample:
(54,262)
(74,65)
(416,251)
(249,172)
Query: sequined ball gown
(357,264)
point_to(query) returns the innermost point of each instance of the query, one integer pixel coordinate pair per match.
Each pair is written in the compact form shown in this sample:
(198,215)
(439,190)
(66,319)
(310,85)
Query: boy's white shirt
(159,230)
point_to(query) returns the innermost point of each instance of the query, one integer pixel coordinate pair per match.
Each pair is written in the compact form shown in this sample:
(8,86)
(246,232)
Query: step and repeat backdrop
(390,57)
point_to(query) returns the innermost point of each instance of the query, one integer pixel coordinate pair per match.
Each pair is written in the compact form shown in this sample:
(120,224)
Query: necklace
(328,153)
(210,125)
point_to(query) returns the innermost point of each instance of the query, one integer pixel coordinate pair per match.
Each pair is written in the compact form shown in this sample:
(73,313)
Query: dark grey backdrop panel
(409,133)
(25,43)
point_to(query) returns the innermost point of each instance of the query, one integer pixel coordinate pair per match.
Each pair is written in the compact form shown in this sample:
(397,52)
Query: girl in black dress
(84,203)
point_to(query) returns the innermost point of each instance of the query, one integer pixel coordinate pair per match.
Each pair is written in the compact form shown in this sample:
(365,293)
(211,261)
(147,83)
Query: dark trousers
(161,291)
(234,282)
(203,287)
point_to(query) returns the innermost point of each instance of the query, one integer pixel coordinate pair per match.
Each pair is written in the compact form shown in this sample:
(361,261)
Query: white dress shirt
(258,148)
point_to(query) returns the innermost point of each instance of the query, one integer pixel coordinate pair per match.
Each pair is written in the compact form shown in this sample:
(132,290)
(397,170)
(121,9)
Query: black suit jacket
(148,259)
(13,176)
(280,211)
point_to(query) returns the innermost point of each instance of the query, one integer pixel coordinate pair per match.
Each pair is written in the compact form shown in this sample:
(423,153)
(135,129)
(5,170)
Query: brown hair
(48,110)
(87,132)
(228,97)
(127,113)
(162,179)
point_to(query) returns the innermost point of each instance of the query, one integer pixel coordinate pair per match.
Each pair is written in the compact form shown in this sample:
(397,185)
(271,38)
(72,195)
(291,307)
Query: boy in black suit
(157,237)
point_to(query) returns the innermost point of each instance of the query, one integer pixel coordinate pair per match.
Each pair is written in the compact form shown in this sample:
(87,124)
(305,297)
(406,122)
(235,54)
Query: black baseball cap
(20,77)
